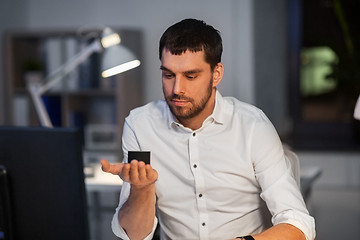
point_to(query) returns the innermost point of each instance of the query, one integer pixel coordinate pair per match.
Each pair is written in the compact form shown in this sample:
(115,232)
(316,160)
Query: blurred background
(297,60)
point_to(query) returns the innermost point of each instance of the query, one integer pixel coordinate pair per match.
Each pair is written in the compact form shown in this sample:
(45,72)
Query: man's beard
(185,113)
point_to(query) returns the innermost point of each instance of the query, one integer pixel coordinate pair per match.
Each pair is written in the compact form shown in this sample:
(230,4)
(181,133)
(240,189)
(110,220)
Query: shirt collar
(217,114)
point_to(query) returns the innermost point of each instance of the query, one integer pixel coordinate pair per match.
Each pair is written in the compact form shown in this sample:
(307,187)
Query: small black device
(143,156)
(249,237)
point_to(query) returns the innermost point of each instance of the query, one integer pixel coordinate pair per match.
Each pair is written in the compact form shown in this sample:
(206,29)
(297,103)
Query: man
(214,160)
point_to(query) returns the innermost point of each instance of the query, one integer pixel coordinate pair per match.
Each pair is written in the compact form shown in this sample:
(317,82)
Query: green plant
(32,64)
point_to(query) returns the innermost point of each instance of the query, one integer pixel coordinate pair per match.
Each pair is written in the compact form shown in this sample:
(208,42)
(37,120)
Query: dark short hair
(193,35)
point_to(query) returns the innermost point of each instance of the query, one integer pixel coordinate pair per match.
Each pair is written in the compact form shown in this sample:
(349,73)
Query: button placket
(203,227)
(199,184)
(194,152)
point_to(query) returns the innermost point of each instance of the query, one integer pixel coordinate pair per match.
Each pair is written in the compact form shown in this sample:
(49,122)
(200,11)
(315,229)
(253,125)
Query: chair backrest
(293,159)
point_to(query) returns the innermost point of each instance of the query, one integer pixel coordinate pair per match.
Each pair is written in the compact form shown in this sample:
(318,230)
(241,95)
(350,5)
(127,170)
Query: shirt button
(200,195)
(203,224)
(194,134)
(195,166)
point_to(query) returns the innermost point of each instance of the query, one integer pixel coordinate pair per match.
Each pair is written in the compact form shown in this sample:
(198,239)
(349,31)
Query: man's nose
(179,86)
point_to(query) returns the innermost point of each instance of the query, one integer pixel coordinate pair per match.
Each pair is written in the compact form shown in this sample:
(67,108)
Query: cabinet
(84,99)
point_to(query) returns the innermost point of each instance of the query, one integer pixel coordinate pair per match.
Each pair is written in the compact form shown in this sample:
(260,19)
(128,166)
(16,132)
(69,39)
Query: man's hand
(139,208)
(136,172)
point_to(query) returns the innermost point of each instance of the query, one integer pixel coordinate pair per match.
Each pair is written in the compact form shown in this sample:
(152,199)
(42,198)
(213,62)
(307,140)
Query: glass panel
(330,61)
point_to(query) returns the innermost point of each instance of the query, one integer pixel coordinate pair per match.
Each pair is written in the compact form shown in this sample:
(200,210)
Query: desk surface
(102,181)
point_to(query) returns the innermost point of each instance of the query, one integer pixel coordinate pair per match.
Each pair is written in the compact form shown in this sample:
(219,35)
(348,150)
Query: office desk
(101,181)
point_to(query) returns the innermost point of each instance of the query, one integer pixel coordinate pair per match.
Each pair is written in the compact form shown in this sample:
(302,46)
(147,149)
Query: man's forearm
(137,214)
(281,231)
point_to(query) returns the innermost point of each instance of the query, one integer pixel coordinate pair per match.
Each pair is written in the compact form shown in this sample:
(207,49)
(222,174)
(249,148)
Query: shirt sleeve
(278,184)
(129,142)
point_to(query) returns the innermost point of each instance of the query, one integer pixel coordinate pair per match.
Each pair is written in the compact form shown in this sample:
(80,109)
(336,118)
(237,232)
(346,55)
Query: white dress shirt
(214,182)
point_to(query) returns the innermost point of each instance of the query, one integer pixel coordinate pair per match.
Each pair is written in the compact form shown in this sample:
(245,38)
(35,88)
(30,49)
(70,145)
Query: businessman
(217,164)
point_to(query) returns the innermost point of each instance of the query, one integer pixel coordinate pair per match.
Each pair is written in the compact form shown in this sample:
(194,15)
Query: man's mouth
(179,102)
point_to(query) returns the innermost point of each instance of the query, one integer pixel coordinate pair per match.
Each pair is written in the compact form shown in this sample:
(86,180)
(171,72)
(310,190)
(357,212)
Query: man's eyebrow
(165,69)
(193,71)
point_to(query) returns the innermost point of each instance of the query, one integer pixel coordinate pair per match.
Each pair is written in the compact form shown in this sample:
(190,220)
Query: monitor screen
(45,178)
(5,217)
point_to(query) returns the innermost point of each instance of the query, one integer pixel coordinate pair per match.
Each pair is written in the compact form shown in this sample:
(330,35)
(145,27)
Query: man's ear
(218,74)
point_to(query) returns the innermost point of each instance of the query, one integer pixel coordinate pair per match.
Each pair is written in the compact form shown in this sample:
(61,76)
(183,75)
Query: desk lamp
(116,59)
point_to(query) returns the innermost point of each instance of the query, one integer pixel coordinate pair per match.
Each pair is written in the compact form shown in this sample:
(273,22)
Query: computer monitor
(5,216)
(45,176)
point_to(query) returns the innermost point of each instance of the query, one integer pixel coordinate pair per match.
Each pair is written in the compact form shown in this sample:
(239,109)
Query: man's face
(187,82)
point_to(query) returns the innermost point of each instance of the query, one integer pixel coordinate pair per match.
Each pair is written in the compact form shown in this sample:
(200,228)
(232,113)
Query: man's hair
(193,35)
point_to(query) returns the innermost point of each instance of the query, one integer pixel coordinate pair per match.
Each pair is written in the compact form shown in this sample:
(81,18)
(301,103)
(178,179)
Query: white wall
(271,61)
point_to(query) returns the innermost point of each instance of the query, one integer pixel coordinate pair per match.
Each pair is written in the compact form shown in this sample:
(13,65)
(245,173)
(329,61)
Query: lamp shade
(117,59)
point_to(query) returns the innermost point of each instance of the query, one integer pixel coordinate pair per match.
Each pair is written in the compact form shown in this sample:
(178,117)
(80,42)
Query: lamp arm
(69,66)
(38,89)
(39,105)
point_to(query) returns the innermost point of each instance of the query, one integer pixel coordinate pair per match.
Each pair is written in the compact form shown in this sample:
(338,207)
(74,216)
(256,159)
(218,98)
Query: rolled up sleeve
(279,188)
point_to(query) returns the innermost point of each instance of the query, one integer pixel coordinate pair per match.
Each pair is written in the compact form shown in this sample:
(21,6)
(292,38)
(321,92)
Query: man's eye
(190,76)
(168,75)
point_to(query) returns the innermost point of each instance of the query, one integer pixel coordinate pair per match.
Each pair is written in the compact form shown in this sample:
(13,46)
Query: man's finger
(151,173)
(134,172)
(125,173)
(111,168)
(142,171)
(105,165)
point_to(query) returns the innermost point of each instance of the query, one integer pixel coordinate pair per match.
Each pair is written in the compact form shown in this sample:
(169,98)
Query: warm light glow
(121,68)
(110,40)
